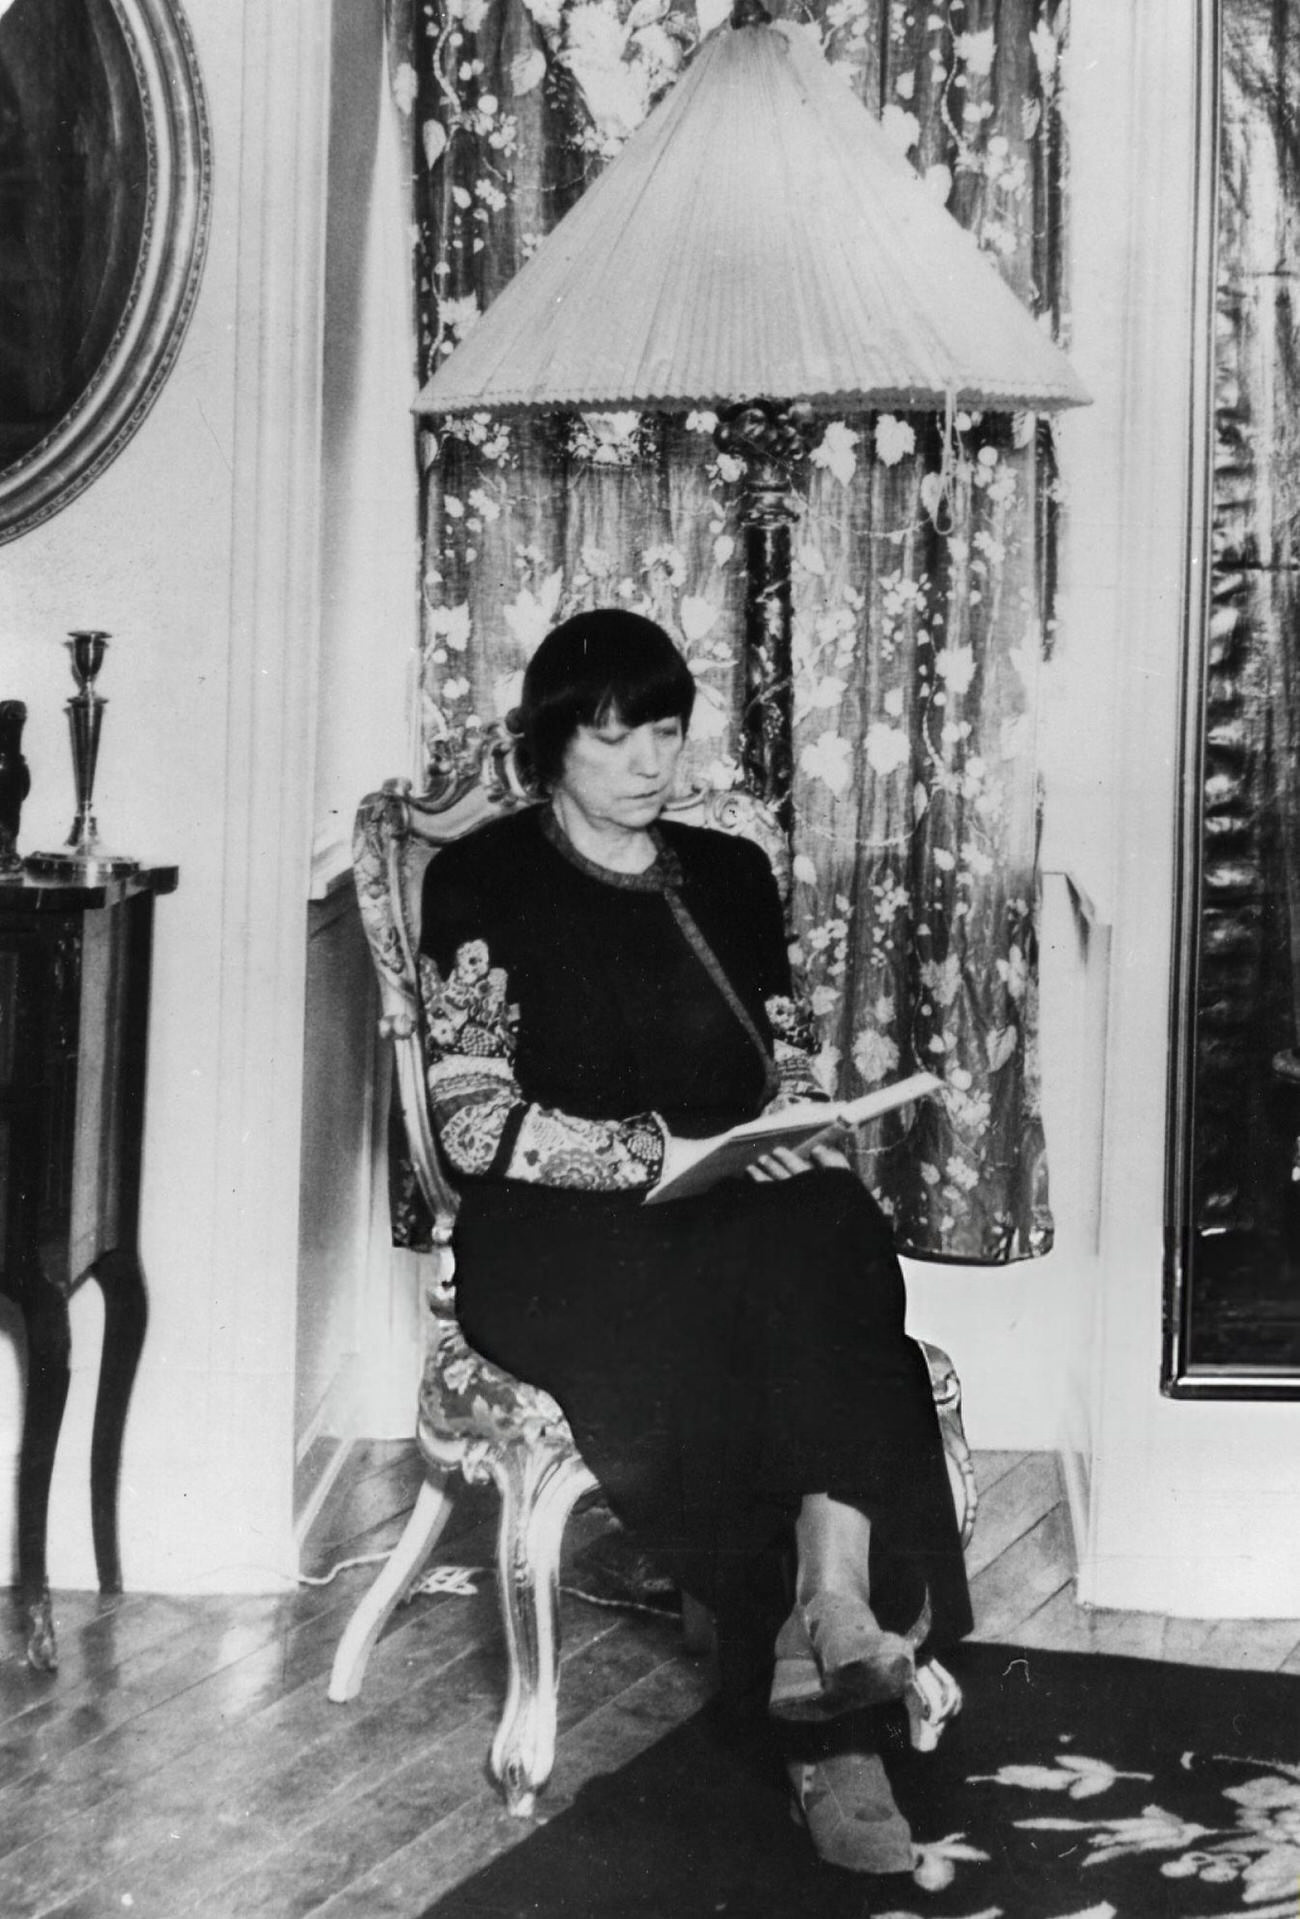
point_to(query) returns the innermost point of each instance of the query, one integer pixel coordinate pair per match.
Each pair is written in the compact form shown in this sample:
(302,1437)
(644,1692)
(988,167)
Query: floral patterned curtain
(922,592)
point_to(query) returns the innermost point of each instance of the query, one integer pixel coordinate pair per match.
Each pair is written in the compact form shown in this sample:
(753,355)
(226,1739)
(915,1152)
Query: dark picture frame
(105,188)
(1232,1274)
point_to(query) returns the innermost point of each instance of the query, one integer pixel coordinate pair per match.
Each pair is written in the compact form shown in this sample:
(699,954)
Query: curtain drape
(920,625)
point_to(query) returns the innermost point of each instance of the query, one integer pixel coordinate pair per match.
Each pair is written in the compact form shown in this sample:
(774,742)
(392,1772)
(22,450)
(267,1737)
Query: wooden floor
(185,1759)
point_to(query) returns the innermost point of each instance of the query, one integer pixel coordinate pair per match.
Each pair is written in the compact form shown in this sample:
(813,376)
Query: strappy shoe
(933,1698)
(847,1805)
(833,1656)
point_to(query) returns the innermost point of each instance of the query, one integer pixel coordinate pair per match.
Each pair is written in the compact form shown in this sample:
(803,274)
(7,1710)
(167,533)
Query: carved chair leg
(539,1486)
(946,1387)
(428,1517)
(961,1468)
(935,1698)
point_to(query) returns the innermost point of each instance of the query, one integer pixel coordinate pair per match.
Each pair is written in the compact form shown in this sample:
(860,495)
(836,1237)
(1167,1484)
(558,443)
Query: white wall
(252,552)
(197,550)
(1195,1506)
(369,553)
(357,1345)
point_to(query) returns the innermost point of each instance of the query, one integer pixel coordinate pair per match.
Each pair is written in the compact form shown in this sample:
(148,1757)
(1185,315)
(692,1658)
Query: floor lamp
(759,249)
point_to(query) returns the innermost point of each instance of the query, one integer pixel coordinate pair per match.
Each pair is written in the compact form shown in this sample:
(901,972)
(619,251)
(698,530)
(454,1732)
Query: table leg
(45,1315)
(126,1313)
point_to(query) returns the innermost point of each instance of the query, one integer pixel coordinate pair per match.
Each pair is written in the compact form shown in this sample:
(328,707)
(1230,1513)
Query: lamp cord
(457,1584)
(942,517)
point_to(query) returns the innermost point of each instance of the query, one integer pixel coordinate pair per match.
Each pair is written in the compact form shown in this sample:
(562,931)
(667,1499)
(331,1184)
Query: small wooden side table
(74,1022)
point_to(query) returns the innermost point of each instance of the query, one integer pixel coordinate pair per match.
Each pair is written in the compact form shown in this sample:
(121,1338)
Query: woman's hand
(783,1162)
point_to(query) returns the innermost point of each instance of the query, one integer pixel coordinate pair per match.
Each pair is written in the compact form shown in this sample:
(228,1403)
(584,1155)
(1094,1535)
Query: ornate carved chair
(474,1418)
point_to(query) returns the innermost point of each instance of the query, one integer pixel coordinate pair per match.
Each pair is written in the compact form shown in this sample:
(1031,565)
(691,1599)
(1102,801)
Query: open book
(796,1126)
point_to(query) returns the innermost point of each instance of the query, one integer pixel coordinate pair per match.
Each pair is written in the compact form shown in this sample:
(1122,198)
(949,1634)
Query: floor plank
(1034,1568)
(1016,1502)
(991,1466)
(1062,1625)
(1261,1644)
(440,1857)
(97,1636)
(231,1790)
(278,1680)
(291,1772)
(434,1782)
(1184,1641)
(180,1691)
(187,1764)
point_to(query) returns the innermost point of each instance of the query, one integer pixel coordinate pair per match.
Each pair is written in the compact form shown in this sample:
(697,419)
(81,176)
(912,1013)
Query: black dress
(717,1357)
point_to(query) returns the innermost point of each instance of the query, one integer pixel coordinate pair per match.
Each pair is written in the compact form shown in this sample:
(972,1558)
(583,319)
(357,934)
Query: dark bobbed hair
(594,667)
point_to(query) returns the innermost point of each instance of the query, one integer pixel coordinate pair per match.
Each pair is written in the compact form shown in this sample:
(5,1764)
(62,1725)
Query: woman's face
(620,776)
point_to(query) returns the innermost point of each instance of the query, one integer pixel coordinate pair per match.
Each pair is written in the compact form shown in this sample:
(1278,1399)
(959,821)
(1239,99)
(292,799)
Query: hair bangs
(637,698)
(597,666)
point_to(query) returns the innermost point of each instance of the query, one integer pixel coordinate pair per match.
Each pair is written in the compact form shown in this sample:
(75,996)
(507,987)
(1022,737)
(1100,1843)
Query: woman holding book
(608,990)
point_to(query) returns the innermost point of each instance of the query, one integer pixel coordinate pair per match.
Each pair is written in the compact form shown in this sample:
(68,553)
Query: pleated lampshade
(758,237)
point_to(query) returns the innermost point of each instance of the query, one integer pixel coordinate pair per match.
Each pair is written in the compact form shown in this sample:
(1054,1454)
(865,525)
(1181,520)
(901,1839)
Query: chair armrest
(382,847)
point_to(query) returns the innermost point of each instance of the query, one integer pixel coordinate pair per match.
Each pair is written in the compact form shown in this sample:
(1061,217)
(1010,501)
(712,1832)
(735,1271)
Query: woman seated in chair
(607,990)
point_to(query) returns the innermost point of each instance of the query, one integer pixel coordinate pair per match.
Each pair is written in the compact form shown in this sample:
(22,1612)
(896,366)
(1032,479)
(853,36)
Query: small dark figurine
(15,783)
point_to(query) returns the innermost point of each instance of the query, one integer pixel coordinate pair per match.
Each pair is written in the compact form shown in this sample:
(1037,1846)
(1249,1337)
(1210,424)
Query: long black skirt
(718,1358)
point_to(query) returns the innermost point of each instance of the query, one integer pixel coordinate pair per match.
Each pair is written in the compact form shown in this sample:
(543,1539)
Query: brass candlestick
(84,857)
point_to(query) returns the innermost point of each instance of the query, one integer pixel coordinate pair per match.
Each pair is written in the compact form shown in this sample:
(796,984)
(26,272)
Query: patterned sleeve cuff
(595,1155)
(647,1140)
(794,1050)
(473,1103)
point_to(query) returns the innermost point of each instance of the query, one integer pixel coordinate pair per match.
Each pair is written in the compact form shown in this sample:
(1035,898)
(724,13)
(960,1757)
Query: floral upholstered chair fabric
(473,1418)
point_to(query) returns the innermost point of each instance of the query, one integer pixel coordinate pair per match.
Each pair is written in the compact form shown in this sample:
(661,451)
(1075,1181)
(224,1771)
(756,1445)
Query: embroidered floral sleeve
(484,1124)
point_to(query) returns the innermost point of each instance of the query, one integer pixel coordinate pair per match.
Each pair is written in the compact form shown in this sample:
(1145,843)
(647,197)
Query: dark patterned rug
(1071,1787)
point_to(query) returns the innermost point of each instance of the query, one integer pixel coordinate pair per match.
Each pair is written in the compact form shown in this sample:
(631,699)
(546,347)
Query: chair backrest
(397,833)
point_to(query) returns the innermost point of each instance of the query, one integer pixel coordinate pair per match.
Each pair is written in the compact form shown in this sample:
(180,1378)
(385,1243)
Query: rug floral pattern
(1247,1860)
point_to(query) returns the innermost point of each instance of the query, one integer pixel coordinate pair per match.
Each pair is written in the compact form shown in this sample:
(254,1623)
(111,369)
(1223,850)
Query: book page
(795,1126)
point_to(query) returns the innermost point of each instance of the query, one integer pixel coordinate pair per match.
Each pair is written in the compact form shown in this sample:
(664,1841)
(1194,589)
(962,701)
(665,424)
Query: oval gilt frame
(164,286)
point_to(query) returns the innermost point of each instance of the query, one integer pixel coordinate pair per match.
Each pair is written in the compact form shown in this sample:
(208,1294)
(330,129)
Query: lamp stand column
(773,443)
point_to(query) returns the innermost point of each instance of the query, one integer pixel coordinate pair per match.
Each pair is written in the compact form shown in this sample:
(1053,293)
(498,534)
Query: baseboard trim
(1075,1478)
